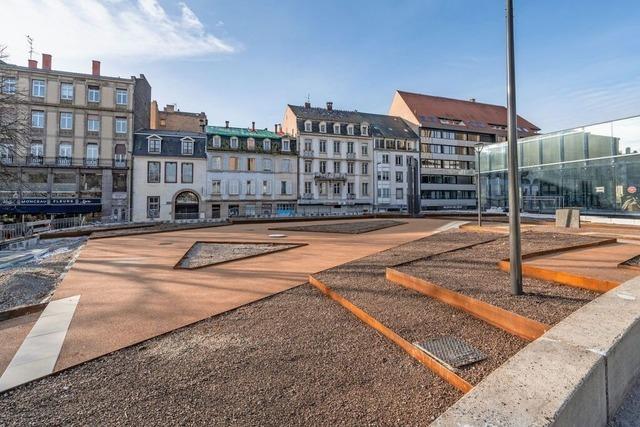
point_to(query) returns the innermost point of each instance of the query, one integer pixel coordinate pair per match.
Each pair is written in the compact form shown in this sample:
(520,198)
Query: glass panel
(550,149)
(573,146)
(627,135)
(530,154)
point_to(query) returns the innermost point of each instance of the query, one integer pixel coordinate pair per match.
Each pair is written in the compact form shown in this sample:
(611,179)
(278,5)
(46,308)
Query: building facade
(170,118)
(250,172)
(595,168)
(75,157)
(449,129)
(169,175)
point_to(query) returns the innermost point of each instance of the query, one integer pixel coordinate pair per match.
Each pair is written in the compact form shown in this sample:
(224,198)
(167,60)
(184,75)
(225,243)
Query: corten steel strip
(431,363)
(564,278)
(513,323)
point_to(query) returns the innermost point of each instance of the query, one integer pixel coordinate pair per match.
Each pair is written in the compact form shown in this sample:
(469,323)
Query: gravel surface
(344,227)
(634,262)
(628,414)
(35,281)
(202,254)
(132,231)
(474,272)
(296,358)
(414,316)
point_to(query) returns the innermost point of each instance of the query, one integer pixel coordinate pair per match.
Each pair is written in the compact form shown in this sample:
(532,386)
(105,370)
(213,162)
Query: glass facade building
(595,168)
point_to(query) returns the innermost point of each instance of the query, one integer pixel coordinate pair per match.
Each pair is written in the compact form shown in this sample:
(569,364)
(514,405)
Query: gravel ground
(628,414)
(131,231)
(474,272)
(344,227)
(36,280)
(203,254)
(414,316)
(296,358)
(634,262)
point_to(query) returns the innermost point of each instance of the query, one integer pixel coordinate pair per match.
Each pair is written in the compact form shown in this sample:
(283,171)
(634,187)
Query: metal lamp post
(515,251)
(479,146)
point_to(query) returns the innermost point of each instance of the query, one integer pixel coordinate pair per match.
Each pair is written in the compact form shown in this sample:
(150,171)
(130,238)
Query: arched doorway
(186,206)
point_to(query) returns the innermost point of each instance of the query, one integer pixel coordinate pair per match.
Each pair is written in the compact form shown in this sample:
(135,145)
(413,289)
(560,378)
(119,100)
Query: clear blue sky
(577,61)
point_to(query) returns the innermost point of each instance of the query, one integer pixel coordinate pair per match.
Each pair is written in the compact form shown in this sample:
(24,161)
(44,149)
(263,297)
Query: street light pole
(515,251)
(479,146)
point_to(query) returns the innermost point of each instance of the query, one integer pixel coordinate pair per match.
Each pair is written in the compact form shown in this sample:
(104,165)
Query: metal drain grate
(451,351)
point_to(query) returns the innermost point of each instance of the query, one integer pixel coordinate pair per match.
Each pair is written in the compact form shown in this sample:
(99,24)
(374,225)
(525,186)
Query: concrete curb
(577,373)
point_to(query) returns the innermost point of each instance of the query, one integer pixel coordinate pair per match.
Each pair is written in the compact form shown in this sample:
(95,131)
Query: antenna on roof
(30,41)
(308,97)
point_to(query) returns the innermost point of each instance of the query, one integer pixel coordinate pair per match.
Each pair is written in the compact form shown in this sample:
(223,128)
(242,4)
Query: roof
(242,132)
(176,133)
(381,125)
(171,145)
(430,109)
(69,73)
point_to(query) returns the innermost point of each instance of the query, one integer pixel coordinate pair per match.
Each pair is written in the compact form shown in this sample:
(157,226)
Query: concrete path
(131,292)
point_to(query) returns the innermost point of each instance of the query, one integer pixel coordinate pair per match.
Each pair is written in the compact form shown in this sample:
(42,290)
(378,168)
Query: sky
(577,62)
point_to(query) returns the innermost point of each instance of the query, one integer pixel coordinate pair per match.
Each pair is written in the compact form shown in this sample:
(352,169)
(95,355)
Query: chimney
(46,61)
(226,123)
(329,105)
(33,63)
(170,108)
(95,67)
(275,128)
(307,104)
(253,126)
(472,99)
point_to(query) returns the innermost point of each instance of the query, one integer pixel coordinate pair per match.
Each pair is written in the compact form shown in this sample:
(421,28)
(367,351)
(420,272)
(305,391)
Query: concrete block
(609,326)
(568,218)
(547,383)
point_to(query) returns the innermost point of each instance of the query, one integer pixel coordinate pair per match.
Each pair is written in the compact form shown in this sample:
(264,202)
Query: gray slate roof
(171,145)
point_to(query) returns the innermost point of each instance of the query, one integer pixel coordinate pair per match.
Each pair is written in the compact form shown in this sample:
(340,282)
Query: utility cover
(451,351)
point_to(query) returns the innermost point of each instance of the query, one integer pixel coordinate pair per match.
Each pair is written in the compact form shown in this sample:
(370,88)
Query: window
(364,168)
(323,146)
(37,88)
(234,187)
(308,145)
(349,129)
(92,154)
(385,158)
(251,164)
(187,173)
(65,151)
(153,207)
(364,188)
(250,188)
(37,119)
(215,162)
(364,129)
(266,145)
(215,187)
(266,187)
(307,166)
(336,147)
(66,121)
(120,156)
(337,167)
(383,175)
(187,146)
(399,161)
(447,121)
(307,126)
(399,177)
(384,192)
(350,147)
(153,145)
(323,166)
(233,142)
(122,97)
(171,172)
(286,145)
(399,193)
(93,123)
(285,165)
(93,94)
(234,163)
(66,91)
(36,149)
(336,128)
(267,164)
(323,127)
(217,141)
(153,172)
(9,85)
(307,187)
(350,189)
(251,144)
(121,125)
(365,149)
(337,188)
(6,153)
(322,189)
(350,167)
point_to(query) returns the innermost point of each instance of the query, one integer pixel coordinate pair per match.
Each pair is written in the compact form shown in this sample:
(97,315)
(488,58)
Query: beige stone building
(171,118)
(76,159)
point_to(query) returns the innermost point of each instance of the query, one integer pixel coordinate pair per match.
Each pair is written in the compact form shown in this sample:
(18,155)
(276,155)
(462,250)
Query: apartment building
(250,172)
(75,156)
(449,130)
(169,175)
(171,118)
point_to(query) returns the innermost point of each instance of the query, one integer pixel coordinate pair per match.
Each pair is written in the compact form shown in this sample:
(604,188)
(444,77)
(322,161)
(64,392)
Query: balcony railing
(307,153)
(307,196)
(35,160)
(6,160)
(330,176)
(91,162)
(351,155)
(63,161)
(120,163)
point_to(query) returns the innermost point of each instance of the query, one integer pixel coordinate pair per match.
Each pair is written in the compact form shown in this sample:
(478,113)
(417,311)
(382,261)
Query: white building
(250,172)
(169,175)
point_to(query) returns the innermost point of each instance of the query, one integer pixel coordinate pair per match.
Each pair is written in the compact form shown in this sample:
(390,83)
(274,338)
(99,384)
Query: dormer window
(336,128)
(154,144)
(266,145)
(286,145)
(217,141)
(187,146)
(456,122)
(323,127)
(233,143)
(251,144)
(307,126)
(349,129)
(364,129)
